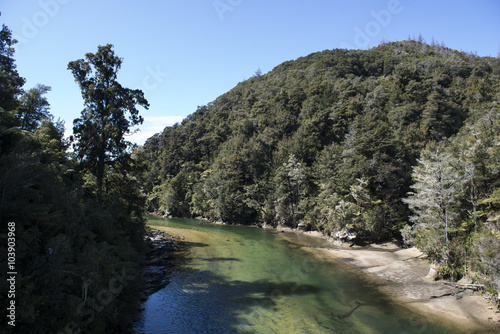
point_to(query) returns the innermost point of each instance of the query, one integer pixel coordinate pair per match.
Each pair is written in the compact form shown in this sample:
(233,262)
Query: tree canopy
(68,248)
(398,137)
(400,141)
(110,112)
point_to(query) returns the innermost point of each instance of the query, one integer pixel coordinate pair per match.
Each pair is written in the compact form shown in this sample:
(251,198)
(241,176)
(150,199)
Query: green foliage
(451,272)
(77,260)
(33,108)
(465,210)
(63,239)
(344,116)
(433,200)
(290,190)
(486,256)
(11,82)
(433,243)
(110,112)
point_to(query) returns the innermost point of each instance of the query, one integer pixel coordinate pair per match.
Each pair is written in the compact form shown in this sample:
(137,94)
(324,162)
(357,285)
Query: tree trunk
(100,177)
(474,204)
(446,231)
(100,173)
(101,155)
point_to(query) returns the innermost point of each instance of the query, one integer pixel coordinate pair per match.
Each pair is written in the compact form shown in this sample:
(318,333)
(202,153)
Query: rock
(159,261)
(345,235)
(303,227)
(433,274)
(465,280)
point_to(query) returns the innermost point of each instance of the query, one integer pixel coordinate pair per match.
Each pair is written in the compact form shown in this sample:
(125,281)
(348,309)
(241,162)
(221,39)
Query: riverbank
(402,274)
(160,261)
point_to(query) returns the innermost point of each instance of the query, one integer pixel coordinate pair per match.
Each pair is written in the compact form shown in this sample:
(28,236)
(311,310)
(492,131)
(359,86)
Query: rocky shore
(406,277)
(160,261)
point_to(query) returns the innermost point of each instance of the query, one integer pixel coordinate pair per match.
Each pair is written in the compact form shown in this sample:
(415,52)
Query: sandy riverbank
(401,274)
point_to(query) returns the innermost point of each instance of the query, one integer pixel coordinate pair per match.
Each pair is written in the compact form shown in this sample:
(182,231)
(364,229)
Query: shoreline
(402,274)
(399,273)
(159,262)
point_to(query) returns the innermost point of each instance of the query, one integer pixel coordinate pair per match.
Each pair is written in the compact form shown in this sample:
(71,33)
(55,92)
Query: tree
(34,108)
(10,82)
(99,132)
(433,199)
(258,74)
(290,182)
(224,189)
(442,116)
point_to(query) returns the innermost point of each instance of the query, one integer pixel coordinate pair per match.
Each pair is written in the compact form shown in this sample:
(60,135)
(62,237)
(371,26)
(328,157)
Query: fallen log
(474,287)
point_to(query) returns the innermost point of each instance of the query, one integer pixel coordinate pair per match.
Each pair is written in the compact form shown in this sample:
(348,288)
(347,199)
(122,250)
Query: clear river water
(237,279)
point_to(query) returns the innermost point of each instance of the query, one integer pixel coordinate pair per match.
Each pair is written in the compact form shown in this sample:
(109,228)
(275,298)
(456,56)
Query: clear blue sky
(186,53)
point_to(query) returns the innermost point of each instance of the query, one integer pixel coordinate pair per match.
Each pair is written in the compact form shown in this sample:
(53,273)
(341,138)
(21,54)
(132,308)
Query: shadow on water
(245,280)
(188,244)
(199,301)
(221,259)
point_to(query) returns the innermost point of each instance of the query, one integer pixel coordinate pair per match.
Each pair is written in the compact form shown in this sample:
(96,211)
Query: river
(237,279)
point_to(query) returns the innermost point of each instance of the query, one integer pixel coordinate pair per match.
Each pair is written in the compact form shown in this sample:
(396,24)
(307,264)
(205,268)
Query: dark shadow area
(199,301)
(186,244)
(222,259)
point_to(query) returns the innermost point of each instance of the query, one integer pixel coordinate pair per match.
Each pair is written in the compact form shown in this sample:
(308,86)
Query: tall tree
(10,82)
(433,199)
(34,107)
(290,179)
(109,114)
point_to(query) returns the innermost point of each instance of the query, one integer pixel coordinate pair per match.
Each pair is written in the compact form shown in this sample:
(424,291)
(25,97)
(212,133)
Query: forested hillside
(71,252)
(402,137)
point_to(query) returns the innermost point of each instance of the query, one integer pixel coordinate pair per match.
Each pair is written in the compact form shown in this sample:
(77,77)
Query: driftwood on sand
(474,287)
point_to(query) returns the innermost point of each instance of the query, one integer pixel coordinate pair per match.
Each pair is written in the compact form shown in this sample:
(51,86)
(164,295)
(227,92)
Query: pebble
(159,261)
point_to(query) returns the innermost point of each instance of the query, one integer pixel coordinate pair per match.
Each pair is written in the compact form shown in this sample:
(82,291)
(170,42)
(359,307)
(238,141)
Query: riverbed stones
(159,261)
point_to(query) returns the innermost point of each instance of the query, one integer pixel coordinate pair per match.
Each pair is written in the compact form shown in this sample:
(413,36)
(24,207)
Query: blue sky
(186,53)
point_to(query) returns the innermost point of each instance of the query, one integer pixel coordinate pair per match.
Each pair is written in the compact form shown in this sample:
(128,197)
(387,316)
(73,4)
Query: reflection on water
(247,280)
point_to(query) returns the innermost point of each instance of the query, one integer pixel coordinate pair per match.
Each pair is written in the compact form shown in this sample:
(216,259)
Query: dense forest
(73,219)
(400,141)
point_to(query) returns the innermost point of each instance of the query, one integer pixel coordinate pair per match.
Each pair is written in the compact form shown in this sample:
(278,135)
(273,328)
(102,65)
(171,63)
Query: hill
(329,140)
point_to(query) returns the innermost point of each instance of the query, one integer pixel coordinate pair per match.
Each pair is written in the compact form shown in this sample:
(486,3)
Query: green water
(248,280)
